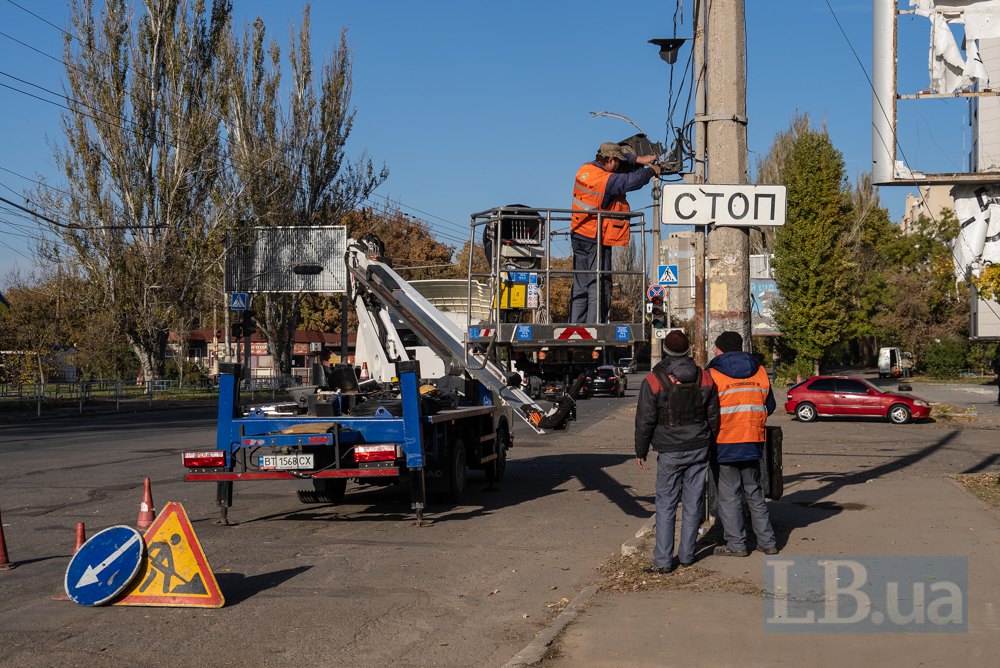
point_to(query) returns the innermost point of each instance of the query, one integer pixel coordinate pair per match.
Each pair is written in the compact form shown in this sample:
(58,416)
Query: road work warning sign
(175,571)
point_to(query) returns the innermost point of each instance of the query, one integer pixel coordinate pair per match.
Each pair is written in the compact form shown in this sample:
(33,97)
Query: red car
(847,395)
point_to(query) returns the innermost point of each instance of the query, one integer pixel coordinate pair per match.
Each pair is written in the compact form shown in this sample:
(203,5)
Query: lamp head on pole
(669,48)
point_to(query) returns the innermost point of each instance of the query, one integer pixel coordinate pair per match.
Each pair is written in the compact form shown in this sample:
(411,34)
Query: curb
(535,650)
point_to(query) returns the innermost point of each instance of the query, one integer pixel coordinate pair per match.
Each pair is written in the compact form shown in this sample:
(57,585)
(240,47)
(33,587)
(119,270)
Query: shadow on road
(525,480)
(237,587)
(807,506)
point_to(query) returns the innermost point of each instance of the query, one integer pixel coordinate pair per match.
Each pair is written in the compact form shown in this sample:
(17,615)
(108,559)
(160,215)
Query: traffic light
(656,312)
(236,330)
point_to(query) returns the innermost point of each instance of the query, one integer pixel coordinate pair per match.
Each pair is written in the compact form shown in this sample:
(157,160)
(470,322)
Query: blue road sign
(104,566)
(655,291)
(667,274)
(239,301)
(524,332)
(622,333)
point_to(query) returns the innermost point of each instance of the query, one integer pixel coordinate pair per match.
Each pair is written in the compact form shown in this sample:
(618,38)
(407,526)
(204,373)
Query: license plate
(285,462)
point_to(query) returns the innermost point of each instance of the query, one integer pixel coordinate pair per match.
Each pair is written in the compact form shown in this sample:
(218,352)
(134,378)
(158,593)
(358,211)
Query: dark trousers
(736,481)
(583,297)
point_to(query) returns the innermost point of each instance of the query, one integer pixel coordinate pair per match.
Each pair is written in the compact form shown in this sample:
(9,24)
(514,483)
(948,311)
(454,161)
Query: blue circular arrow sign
(104,565)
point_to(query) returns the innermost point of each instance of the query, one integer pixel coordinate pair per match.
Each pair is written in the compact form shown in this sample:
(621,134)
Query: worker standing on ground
(745,400)
(678,415)
(599,185)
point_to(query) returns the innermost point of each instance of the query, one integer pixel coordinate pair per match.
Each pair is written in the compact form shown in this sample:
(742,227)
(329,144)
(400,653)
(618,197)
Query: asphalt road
(354,584)
(359,584)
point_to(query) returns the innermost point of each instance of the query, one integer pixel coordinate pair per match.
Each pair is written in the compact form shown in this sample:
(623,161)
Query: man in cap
(746,399)
(600,185)
(678,415)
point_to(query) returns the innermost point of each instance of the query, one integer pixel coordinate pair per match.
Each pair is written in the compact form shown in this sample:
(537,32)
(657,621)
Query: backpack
(683,403)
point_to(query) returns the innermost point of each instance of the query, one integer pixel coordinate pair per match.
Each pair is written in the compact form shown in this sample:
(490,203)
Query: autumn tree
(923,301)
(812,268)
(289,165)
(141,156)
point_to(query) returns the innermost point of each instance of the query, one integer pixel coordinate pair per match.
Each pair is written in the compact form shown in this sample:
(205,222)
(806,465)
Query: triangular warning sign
(667,276)
(175,571)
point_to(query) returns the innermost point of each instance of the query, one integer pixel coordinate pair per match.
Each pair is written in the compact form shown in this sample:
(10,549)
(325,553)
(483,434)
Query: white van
(894,363)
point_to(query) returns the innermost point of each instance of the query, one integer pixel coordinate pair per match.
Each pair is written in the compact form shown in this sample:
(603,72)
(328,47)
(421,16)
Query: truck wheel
(456,471)
(496,468)
(325,490)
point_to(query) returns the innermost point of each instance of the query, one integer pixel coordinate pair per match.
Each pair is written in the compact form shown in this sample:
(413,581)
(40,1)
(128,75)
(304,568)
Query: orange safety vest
(588,193)
(742,406)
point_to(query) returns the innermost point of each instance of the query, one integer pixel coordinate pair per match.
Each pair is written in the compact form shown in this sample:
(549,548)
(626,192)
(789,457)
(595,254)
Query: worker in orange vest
(601,185)
(745,401)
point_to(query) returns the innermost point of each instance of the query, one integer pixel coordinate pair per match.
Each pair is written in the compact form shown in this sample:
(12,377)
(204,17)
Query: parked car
(629,364)
(605,379)
(822,396)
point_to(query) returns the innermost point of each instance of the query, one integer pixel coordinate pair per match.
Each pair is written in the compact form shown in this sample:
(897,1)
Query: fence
(104,393)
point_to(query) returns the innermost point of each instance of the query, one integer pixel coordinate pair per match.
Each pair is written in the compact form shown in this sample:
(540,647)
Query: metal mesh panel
(287,259)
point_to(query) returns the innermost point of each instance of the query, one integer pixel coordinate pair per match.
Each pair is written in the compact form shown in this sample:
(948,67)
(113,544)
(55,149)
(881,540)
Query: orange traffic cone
(81,537)
(146,510)
(5,563)
(364,372)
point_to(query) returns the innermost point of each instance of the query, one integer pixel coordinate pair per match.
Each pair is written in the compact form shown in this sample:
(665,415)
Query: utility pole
(700,134)
(728,248)
(655,349)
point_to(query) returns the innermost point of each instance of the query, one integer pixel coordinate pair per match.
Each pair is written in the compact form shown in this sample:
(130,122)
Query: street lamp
(669,48)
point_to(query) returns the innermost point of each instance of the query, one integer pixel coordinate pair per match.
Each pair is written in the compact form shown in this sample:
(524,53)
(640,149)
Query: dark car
(851,396)
(605,380)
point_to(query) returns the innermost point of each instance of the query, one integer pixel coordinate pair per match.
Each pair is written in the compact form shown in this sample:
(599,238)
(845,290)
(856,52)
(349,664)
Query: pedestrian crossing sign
(667,274)
(175,571)
(239,301)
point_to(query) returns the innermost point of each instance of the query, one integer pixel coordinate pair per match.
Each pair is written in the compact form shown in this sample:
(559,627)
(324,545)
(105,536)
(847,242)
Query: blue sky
(474,105)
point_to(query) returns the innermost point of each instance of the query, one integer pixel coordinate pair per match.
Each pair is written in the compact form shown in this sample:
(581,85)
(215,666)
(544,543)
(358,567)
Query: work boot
(726,551)
(658,570)
(770,551)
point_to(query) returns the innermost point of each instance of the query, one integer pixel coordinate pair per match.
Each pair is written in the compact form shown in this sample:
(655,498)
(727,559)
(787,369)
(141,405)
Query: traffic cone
(146,510)
(81,537)
(5,563)
(364,372)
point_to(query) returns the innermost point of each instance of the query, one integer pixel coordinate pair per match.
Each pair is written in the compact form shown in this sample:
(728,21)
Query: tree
(289,162)
(771,171)
(923,301)
(811,265)
(867,237)
(141,156)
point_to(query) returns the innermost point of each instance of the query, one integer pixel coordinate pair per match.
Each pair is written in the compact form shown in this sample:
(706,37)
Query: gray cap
(610,149)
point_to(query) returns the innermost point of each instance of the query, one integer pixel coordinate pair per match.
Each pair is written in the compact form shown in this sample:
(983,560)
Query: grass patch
(951,413)
(984,486)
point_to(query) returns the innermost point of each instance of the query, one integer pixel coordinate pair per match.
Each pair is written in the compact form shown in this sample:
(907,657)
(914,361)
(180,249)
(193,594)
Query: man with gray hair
(678,415)
(599,185)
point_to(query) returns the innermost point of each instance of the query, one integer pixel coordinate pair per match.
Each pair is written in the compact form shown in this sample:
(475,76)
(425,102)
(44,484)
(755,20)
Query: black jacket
(663,438)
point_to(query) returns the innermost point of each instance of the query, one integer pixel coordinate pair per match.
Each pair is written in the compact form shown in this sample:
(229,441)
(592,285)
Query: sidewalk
(910,517)
(713,614)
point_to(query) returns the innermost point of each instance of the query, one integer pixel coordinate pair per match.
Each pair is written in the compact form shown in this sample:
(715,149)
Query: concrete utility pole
(725,116)
(700,133)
